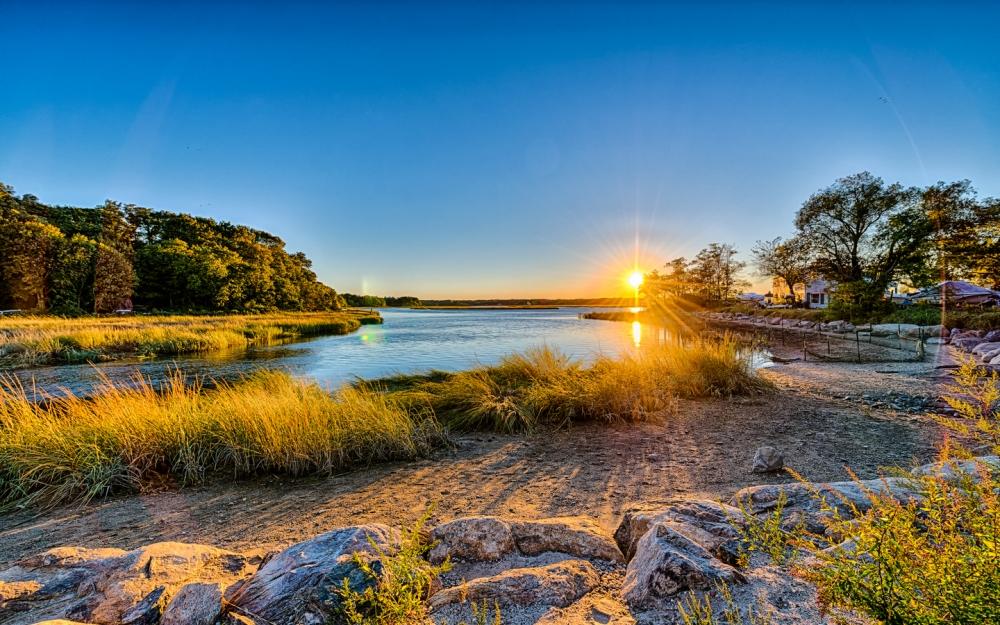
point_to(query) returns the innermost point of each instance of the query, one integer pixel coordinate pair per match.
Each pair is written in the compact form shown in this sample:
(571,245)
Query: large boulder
(558,584)
(992,336)
(666,562)
(812,504)
(476,539)
(893,329)
(710,523)
(577,536)
(110,586)
(299,584)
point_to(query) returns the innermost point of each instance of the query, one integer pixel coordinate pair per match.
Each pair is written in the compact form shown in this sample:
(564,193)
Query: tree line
(864,235)
(69,260)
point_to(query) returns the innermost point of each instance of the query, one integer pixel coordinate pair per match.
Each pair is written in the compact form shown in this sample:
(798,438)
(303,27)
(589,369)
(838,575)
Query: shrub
(768,535)
(401,583)
(934,559)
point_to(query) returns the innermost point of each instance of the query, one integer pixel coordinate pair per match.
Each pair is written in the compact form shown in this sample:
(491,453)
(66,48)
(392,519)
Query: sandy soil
(817,416)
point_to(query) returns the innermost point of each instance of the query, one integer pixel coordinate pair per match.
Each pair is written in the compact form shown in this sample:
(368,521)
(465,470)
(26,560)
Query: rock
(805,501)
(111,586)
(577,536)
(767,460)
(137,592)
(992,336)
(589,610)
(195,604)
(558,584)
(299,584)
(709,523)
(995,361)
(984,347)
(966,342)
(476,539)
(893,329)
(60,621)
(667,562)
(952,469)
(988,356)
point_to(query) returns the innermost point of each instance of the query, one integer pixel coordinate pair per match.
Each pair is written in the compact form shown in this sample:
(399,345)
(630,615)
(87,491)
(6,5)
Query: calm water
(409,341)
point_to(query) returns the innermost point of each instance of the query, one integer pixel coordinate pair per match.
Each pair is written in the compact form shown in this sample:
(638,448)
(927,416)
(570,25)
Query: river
(408,341)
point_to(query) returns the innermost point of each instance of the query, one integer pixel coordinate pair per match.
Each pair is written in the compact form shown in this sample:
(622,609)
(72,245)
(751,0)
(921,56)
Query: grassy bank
(128,438)
(27,341)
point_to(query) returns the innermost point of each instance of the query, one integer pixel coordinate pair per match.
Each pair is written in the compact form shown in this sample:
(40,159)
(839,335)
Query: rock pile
(558,571)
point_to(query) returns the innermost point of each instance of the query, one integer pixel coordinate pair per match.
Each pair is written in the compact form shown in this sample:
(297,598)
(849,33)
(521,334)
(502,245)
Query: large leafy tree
(864,232)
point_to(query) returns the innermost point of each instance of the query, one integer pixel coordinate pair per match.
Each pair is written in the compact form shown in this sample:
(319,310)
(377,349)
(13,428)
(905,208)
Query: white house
(817,293)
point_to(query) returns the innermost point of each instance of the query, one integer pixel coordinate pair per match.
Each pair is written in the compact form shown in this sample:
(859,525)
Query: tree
(789,260)
(864,233)
(715,271)
(965,244)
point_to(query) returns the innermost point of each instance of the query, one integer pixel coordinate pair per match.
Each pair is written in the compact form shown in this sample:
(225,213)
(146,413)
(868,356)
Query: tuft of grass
(698,609)
(128,438)
(544,388)
(29,341)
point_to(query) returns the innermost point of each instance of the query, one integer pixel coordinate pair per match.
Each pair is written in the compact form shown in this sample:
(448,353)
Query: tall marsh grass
(127,438)
(41,340)
(545,388)
(130,437)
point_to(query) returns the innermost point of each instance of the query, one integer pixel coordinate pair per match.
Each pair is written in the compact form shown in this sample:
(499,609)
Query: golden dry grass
(130,436)
(26,341)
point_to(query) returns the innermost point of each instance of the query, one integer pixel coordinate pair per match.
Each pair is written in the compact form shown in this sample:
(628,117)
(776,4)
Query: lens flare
(636,333)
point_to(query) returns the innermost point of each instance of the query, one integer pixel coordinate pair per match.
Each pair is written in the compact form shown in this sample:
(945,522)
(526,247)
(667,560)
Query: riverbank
(823,417)
(39,340)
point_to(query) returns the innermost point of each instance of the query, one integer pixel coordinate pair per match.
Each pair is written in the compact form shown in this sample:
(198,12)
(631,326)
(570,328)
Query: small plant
(975,396)
(483,615)
(695,609)
(768,535)
(402,582)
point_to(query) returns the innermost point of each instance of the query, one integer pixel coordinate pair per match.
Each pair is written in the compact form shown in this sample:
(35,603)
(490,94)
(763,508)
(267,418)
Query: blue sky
(493,150)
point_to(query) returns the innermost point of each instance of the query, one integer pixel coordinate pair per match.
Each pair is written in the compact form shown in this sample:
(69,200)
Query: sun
(635,279)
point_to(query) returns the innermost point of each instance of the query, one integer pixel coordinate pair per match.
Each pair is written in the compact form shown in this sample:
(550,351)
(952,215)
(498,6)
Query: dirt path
(703,449)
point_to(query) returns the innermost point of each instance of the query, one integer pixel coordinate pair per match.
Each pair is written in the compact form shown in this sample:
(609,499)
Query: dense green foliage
(864,236)
(74,260)
(363,301)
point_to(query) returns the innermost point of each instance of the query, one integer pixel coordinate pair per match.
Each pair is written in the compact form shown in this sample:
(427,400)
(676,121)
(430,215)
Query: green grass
(26,341)
(131,437)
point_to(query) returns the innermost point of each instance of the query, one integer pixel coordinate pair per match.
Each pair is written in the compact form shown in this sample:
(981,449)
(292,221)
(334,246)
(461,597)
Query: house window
(814,298)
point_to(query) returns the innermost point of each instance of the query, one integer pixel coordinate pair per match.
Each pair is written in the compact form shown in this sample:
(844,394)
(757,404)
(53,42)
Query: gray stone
(558,584)
(667,562)
(476,539)
(577,536)
(299,584)
(195,604)
(811,504)
(767,460)
(709,523)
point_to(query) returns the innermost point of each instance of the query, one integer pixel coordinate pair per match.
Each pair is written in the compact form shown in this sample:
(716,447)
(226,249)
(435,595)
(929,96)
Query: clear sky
(493,150)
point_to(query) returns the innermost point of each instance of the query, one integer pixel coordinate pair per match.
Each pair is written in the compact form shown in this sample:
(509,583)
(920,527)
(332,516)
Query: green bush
(401,583)
(933,560)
